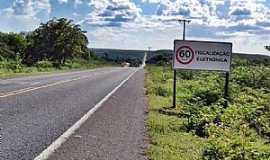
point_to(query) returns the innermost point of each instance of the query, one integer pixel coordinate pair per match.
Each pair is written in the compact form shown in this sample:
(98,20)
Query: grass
(168,138)
(201,127)
(11,69)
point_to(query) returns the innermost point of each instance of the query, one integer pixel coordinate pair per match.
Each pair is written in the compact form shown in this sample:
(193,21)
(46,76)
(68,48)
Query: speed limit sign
(202,55)
(185,55)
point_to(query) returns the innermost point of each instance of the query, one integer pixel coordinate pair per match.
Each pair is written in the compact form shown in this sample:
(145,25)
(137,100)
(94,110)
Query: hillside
(115,54)
(119,54)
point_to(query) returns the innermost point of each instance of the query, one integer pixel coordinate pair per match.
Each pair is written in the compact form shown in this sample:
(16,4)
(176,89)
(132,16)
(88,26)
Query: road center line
(16,91)
(13,93)
(28,89)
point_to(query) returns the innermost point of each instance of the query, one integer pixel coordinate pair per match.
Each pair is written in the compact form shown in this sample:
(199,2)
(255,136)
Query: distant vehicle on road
(125,64)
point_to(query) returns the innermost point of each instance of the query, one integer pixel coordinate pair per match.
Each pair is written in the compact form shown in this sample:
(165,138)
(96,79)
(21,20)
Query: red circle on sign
(181,59)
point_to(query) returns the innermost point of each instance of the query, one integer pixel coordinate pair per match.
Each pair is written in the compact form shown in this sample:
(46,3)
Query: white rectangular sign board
(202,55)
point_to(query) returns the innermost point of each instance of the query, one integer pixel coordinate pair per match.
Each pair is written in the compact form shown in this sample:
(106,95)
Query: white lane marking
(25,90)
(13,93)
(35,83)
(20,90)
(53,74)
(28,89)
(64,137)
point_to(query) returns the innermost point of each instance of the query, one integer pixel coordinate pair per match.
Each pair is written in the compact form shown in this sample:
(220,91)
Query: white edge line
(64,137)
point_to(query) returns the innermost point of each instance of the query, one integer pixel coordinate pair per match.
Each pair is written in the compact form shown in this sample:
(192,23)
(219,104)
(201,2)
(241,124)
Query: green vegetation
(11,68)
(54,46)
(201,127)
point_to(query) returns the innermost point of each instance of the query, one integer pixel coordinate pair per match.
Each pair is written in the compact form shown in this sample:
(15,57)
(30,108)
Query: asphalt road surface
(34,111)
(116,131)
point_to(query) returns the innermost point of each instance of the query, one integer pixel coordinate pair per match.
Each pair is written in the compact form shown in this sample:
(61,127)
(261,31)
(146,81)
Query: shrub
(243,145)
(252,76)
(162,91)
(208,97)
(185,75)
(44,66)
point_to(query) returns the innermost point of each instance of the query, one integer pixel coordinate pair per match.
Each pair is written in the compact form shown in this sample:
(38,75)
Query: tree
(56,40)
(11,44)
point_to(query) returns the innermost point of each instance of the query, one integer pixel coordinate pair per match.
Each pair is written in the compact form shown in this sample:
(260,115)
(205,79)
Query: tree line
(55,41)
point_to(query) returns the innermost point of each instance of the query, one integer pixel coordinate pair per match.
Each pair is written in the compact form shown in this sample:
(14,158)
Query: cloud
(241,12)
(141,20)
(211,20)
(29,7)
(24,15)
(112,13)
(189,9)
(62,1)
(234,15)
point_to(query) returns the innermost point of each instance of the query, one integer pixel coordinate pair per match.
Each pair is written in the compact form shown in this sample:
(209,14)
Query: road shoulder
(116,131)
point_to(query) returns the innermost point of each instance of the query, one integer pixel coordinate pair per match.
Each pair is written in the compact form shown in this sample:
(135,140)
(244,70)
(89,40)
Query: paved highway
(34,111)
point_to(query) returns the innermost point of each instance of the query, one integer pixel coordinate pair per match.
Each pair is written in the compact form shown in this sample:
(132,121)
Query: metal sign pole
(174,72)
(174,88)
(226,89)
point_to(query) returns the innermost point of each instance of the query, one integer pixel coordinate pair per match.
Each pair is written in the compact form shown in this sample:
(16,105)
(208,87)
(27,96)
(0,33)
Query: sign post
(226,89)
(174,71)
(204,55)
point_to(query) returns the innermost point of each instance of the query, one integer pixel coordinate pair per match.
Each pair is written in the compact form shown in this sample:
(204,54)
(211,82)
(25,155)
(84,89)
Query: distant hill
(115,54)
(252,56)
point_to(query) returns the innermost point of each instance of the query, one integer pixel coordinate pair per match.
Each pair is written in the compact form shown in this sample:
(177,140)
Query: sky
(138,24)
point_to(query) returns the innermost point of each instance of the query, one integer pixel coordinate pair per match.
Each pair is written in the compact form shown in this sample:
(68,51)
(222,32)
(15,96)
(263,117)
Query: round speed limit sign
(185,55)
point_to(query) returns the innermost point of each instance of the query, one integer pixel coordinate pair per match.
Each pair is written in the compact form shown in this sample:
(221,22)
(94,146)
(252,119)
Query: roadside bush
(72,65)
(11,65)
(3,64)
(44,66)
(226,144)
(252,76)
(199,117)
(162,91)
(185,75)
(208,97)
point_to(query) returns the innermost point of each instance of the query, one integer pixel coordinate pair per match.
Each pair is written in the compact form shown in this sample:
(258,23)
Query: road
(34,111)
(116,131)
